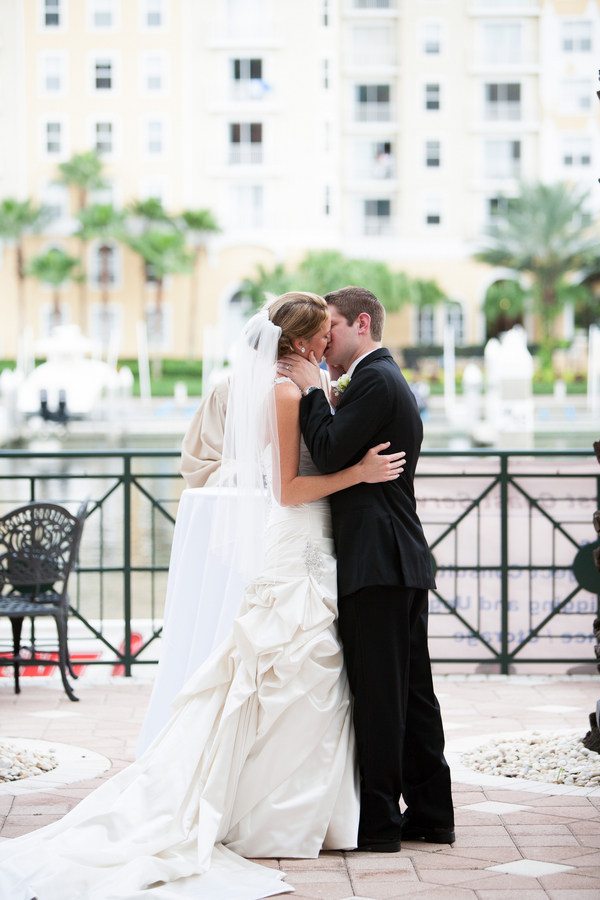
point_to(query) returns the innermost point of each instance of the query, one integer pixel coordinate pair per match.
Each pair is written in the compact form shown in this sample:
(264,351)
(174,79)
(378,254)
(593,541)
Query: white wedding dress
(257,759)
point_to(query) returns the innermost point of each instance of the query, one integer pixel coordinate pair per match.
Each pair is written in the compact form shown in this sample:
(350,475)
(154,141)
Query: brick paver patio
(562,831)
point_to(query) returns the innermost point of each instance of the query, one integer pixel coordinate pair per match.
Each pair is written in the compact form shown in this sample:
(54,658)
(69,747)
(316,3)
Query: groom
(384,573)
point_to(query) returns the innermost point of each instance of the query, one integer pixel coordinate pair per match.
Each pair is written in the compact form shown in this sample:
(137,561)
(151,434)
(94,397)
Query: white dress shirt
(350,371)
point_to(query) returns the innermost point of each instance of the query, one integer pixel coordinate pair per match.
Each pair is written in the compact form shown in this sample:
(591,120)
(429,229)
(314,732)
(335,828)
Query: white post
(114,343)
(208,349)
(449,371)
(472,382)
(593,384)
(143,362)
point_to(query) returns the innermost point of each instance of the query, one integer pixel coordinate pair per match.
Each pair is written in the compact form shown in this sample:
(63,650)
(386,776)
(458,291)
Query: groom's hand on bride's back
(303,372)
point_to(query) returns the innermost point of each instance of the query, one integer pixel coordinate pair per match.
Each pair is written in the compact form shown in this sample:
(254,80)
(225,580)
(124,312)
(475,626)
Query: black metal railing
(503,527)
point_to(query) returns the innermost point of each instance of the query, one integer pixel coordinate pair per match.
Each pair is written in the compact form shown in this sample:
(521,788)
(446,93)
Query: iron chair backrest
(39,543)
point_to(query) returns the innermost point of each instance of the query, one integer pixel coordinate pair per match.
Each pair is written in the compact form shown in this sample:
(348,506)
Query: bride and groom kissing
(316,714)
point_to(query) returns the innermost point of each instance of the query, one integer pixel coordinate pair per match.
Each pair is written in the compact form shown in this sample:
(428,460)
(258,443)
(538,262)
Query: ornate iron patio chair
(39,543)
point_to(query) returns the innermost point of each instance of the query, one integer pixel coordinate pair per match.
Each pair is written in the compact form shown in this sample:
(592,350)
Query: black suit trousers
(397,719)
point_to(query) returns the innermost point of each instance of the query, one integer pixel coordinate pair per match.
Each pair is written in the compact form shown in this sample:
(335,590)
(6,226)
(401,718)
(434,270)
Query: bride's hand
(375,467)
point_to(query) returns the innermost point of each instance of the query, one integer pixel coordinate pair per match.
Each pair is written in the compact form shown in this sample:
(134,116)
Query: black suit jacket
(377,532)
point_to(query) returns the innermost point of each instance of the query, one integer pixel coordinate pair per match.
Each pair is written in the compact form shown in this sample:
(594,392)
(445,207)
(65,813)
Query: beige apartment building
(390,129)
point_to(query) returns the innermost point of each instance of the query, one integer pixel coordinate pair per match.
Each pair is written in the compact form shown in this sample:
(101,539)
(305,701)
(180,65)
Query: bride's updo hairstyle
(299,314)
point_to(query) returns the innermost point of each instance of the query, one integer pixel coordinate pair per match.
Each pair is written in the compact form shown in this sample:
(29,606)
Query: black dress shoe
(379,846)
(412,832)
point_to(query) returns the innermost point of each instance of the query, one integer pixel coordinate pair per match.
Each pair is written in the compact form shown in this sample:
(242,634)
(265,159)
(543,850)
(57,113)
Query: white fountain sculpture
(509,390)
(67,369)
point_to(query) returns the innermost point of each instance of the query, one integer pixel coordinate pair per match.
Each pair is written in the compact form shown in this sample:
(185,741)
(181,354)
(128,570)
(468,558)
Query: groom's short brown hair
(351,301)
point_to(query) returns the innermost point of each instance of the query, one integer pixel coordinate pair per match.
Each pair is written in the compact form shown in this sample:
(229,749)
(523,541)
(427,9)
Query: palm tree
(147,214)
(327,270)
(103,223)
(197,224)
(84,172)
(54,267)
(150,212)
(163,253)
(18,218)
(543,232)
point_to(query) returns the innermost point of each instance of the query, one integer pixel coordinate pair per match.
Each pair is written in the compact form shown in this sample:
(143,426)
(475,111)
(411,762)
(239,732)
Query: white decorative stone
(551,757)
(72,764)
(17,763)
(531,868)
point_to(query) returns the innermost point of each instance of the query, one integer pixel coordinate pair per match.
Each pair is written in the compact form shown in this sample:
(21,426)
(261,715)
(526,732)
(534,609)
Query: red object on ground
(42,670)
(135,643)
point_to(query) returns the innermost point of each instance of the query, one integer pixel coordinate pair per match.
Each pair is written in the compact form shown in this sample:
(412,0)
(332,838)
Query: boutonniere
(341,384)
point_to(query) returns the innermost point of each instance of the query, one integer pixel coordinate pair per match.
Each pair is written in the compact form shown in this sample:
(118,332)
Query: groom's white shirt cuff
(350,371)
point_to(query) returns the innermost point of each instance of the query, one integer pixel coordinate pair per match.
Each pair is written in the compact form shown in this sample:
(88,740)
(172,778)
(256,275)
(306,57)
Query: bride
(257,759)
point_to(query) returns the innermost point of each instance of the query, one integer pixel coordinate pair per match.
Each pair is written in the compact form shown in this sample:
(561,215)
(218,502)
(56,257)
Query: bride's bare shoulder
(287,393)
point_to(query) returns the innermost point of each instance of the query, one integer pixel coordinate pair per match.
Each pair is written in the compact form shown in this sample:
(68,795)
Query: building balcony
(245,154)
(373,112)
(502,112)
(377,226)
(508,169)
(504,7)
(248,89)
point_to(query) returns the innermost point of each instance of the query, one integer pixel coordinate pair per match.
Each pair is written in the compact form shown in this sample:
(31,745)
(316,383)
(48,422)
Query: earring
(304,349)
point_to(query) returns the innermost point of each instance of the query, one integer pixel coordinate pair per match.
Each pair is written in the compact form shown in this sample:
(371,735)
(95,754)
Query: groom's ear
(364,323)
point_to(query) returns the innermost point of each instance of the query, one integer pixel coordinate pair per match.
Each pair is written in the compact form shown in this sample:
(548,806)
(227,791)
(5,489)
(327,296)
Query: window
(52,13)
(426,326)
(377,217)
(325,13)
(55,197)
(577,151)
(103,74)
(154,13)
(502,102)
(373,103)
(326,74)
(104,269)
(152,188)
(432,154)
(52,73)
(159,321)
(54,137)
(374,159)
(155,137)
(433,211)
(104,135)
(48,318)
(576,96)
(104,319)
(432,96)
(102,13)
(327,204)
(154,73)
(432,37)
(246,205)
(247,79)
(373,45)
(501,43)
(104,196)
(502,159)
(498,206)
(245,143)
(577,37)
